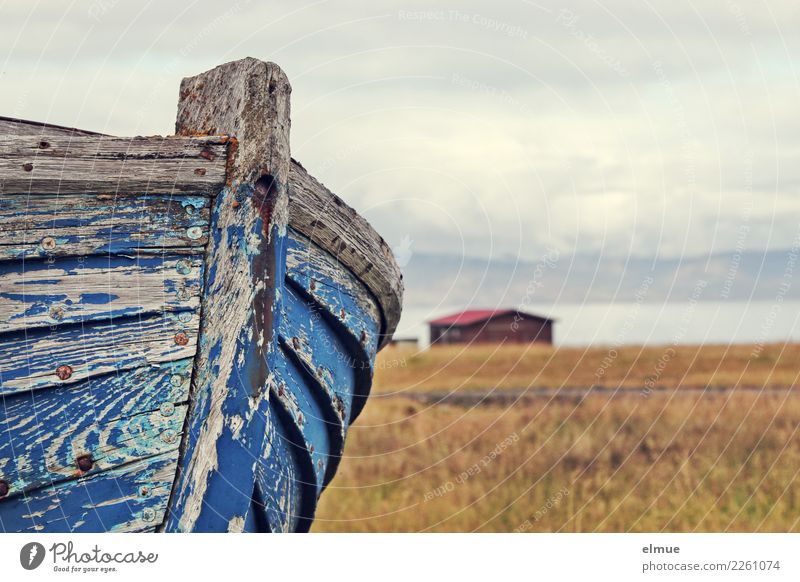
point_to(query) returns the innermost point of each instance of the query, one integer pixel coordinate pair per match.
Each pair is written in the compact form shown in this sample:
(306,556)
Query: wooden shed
(491,326)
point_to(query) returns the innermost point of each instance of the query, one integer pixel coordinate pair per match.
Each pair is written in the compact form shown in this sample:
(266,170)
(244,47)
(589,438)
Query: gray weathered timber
(63,164)
(12,126)
(226,428)
(322,216)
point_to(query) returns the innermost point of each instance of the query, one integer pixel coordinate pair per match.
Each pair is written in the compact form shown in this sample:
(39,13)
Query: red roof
(471,316)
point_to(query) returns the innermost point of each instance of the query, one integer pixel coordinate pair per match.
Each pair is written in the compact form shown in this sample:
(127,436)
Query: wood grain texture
(333,286)
(13,126)
(226,428)
(75,224)
(72,290)
(42,435)
(30,361)
(131,498)
(322,216)
(60,164)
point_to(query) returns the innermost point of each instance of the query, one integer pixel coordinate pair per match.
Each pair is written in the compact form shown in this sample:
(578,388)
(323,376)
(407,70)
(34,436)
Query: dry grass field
(634,460)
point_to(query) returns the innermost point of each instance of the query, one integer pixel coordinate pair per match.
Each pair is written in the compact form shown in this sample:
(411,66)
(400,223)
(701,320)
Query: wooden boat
(188,324)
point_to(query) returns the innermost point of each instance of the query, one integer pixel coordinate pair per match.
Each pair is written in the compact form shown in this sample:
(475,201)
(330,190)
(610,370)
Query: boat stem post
(248,101)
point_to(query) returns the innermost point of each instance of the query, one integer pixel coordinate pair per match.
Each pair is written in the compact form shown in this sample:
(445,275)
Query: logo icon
(402,252)
(31,555)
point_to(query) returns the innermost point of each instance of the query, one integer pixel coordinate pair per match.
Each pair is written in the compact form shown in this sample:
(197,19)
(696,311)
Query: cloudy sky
(488,129)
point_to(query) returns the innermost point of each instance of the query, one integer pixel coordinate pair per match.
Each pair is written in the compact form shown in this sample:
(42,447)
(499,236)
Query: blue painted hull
(99,450)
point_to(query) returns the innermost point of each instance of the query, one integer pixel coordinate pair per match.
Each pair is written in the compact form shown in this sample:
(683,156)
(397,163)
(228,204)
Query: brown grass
(672,460)
(521,366)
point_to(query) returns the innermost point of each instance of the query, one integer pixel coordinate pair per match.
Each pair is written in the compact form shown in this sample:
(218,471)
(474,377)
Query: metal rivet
(281,389)
(181,338)
(3,489)
(64,372)
(27,167)
(48,243)
(311,449)
(194,232)
(183,295)
(313,284)
(185,316)
(363,336)
(43,145)
(200,171)
(148,514)
(169,436)
(85,463)
(144,490)
(296,343)
(343,314)
(57,312)
(167,409)
(183,267)
(190,209)
(319,464)
(176,380)
(300,419)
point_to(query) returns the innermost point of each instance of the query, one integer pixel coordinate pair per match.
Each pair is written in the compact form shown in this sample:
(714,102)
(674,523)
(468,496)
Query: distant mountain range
(434,279)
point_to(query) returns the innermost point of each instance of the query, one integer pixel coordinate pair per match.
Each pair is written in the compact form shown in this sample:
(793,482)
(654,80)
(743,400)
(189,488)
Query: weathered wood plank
(77,290)
(110,165)
(324,355)
(226,429)
(13,126)
(321,434)
(283,483)
(113,419)
(322,216)
(59,225)
(36,360)
(342,296)
(134,499)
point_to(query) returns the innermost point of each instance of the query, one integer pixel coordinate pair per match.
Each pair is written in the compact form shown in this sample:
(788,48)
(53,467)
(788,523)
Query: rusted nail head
(313,284)
(144,490)
(85,463)
(48,243)
(43,145)
(3,488)
(181,338)
(207,154)
(363,336)
(200,171)
(64,372)
(296,343)
(281,389)
(57,313)
(235,204)
(27,167)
